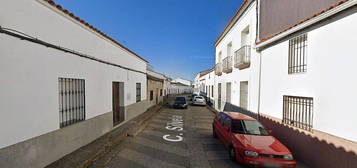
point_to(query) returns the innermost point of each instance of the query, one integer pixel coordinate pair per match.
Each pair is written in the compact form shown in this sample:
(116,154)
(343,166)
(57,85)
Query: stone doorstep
(86,155)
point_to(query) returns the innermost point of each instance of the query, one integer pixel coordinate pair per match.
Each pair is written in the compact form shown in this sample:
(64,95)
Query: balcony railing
(242,57)
(218,69)
(227,64)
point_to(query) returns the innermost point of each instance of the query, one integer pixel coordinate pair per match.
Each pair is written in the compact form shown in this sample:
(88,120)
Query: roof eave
(84,23)
(343,5)
(244,6)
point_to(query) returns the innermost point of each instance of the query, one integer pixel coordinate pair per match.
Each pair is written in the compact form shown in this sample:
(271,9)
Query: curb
(214,111)
(106,142)
(141,125)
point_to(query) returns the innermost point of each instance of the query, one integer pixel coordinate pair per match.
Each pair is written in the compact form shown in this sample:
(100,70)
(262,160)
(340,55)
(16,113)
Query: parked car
(180,102)
(249,142)
(194,95)
(199,100)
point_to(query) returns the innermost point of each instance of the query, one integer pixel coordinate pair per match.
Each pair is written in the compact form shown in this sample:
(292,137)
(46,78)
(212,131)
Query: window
(249,127)
(228,92)
(297,54)
(219,96)
(229,49)
(151,95)
(212,91)
(237,127)
(160,92)
(227,122)
(243,99)
(71,101)
(298,112)
(220,118)
(138,92)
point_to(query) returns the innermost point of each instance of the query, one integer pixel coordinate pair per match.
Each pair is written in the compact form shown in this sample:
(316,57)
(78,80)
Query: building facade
(64,83)
(237,62)
(155,85)
(204,84)
(291,71)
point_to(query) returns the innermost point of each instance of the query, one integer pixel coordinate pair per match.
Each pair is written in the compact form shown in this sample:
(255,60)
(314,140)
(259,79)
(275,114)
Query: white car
(199,100)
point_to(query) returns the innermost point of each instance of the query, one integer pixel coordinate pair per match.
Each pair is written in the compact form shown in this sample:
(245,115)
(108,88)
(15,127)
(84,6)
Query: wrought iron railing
(227,64)
(242,57)
(218,69)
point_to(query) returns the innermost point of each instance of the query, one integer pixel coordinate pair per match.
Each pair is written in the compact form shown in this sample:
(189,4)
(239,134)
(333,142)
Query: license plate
(271,165)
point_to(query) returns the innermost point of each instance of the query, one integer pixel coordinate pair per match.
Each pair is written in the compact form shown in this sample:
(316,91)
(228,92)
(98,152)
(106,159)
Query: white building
(204,83)
(183,81)
(237,62)
(64,86)
(294,70)
(309,66)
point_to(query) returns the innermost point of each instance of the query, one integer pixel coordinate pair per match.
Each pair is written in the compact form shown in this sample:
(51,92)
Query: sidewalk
(86,155)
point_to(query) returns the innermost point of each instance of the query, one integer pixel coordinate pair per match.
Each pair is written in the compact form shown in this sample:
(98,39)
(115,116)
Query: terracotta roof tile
(65,11)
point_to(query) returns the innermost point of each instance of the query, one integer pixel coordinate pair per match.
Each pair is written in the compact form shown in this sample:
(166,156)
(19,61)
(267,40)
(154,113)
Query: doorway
(244,95)
(157,96)
(118,104)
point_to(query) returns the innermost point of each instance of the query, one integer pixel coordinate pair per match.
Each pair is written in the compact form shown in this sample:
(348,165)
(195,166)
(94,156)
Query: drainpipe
(259,55)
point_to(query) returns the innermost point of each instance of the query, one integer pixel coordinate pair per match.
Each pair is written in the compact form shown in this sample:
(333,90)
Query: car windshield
(180,99)
(248,127)
(199,97)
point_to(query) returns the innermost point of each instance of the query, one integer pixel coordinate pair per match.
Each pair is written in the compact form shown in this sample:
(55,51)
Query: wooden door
(116,103)
(157,96)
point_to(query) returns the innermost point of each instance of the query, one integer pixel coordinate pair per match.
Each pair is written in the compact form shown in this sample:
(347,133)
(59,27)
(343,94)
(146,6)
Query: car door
(227,130)
(237,128)
(219,125)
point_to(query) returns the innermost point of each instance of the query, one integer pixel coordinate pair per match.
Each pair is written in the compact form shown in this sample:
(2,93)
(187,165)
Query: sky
(175,36)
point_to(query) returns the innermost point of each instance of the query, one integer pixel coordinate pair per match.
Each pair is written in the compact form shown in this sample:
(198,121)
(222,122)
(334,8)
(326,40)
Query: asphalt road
(149,149)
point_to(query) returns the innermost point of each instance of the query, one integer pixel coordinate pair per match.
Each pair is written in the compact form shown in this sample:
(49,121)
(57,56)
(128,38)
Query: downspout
(259,55)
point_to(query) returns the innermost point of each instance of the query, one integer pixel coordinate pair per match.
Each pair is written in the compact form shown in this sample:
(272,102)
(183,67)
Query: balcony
(227,64)
(218,69)
(242,57)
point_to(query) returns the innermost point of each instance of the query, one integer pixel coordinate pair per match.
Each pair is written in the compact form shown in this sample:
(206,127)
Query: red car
(249,142)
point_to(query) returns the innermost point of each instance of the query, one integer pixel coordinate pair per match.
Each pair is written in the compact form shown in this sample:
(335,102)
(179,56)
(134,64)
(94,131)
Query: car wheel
(232,154)
(214,133)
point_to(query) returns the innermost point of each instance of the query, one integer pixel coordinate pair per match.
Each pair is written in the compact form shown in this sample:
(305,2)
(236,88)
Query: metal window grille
(71,101)
(151,95)
(298,54)
(212,91)
(138,92)
(298,112)
(219,95)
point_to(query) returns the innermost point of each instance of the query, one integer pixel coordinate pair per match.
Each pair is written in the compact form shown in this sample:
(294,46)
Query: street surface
(189,146)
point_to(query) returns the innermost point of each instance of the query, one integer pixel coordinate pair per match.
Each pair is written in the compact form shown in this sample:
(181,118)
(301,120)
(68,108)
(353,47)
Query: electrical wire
(23,36)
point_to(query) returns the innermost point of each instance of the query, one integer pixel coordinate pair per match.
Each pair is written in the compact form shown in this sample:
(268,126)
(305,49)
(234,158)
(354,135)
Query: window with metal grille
(151,95)
(298,112)
(298,54)
(138,92)
(212,91)
(219,95)
(71,101)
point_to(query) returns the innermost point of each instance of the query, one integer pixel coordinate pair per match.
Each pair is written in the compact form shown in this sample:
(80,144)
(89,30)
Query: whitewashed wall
(29,72)
(183,81)
(250,74)
(330,78)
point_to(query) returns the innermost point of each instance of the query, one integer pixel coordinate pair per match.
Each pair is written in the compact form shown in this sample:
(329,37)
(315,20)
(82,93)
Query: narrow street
(149,149)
